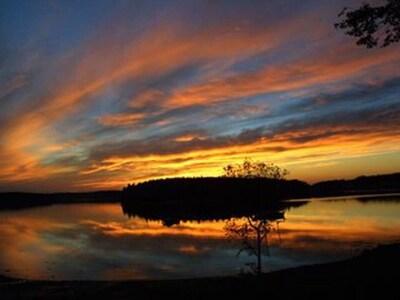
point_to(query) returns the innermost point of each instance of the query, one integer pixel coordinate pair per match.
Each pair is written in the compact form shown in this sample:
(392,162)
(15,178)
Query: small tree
(372,25)
(252,233)
(255,169)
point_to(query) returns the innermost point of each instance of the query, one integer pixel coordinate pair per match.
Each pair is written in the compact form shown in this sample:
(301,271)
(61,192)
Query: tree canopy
(372,25)
(255,169)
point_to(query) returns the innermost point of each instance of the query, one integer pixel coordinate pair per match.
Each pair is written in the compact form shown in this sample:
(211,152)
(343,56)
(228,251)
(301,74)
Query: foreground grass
(373,274)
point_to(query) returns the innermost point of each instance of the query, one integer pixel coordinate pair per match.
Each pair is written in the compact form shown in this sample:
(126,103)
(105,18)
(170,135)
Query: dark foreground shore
(372,275)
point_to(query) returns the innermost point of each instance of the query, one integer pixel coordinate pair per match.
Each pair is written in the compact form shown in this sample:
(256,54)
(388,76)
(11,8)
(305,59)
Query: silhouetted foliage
(255,169)
(227,190)
(211,196)
(373,26)
(252,233)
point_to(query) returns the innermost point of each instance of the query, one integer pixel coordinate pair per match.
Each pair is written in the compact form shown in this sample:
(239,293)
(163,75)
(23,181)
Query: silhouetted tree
(253,233)
(255,169)
(373,26)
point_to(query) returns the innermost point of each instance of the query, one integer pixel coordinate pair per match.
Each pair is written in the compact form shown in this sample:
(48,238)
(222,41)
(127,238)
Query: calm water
(97,241)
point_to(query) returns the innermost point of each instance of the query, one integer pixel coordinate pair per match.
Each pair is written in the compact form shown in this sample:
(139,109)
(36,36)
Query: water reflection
(252,233)
(172,214)
(97,241)
(248,224)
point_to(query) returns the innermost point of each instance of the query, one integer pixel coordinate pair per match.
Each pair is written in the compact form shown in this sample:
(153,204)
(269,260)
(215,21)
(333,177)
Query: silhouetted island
(227,190)
(218,195)
(210,198)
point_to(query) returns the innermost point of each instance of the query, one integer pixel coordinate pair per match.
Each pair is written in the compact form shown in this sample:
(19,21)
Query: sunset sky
(96,94)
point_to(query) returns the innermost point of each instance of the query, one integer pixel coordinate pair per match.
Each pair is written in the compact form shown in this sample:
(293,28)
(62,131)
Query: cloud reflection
(91,241)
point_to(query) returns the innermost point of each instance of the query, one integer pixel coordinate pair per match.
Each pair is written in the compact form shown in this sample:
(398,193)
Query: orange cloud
(146,98)
(121,119)
(330,67)
(102,64)
(210,161)
(187,138)
(97,65)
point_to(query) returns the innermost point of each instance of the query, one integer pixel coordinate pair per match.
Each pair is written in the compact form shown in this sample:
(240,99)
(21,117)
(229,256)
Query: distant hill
(23,200)
(377,184)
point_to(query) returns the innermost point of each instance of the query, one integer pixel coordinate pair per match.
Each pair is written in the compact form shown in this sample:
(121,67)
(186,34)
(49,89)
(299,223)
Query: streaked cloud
(121,119)
(155,90)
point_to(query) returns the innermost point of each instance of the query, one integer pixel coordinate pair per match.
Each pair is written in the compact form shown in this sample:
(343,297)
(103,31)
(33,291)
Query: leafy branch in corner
(373,26)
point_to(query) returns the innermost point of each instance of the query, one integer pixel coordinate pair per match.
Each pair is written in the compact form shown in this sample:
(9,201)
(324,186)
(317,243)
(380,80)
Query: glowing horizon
(96,95)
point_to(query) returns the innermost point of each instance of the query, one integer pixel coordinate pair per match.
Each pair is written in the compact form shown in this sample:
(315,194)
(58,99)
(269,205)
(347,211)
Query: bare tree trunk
(258,253)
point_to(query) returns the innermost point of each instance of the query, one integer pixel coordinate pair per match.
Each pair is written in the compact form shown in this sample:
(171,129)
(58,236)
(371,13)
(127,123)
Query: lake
(99,242)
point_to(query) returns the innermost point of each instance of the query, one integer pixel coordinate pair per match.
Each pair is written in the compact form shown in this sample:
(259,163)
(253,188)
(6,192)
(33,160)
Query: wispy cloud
(155,91)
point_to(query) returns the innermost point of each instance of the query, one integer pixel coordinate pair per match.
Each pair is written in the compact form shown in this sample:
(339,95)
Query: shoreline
(374,272)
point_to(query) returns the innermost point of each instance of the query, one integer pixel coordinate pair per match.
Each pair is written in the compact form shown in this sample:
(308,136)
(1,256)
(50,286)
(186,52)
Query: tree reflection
(246,222)
(252,232)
